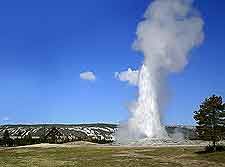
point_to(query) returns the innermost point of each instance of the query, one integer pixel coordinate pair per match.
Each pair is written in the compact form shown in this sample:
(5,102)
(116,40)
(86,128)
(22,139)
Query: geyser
(170,29)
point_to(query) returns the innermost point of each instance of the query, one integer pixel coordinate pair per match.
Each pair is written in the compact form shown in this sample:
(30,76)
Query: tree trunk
(214,145)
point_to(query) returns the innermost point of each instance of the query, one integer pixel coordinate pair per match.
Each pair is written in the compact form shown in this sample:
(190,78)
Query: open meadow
(108,156)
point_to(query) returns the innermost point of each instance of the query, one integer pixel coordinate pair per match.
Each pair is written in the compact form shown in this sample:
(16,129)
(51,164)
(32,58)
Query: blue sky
(45,45)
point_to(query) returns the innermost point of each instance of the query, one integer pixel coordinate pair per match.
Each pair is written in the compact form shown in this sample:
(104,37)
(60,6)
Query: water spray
(170,29)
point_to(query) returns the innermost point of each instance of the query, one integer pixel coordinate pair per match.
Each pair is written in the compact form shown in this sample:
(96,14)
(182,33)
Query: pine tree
(211,120)
(6,138)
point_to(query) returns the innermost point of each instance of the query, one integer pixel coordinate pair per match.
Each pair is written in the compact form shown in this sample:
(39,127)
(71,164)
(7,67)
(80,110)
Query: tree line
(53,137)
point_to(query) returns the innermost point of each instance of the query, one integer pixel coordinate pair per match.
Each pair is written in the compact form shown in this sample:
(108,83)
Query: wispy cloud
(5,118)
(90,76)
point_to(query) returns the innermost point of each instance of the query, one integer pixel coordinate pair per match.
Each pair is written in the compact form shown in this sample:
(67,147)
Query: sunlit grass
(106,156)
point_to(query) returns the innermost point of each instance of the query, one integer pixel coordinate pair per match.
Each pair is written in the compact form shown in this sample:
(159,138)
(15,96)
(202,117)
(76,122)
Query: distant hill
(98,132)
(61,125)
(94,131)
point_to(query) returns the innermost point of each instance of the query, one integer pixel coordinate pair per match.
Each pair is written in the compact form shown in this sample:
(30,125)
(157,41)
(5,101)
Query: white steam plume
(130,75)
(170,29)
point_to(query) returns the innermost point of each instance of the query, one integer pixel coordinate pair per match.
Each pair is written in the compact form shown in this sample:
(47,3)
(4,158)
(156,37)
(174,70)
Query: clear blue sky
(44,45)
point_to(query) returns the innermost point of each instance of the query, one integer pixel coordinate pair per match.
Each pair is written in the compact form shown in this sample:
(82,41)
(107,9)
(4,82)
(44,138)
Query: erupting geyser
(170,29)
(146,112)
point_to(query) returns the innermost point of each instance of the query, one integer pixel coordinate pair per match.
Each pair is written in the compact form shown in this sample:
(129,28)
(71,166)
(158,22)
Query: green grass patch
(107,157)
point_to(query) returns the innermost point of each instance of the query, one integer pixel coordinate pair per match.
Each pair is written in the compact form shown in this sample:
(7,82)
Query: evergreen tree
(211,119)
(6,138)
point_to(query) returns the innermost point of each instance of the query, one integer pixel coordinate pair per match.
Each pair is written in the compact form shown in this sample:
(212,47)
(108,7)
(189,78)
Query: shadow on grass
(211,149)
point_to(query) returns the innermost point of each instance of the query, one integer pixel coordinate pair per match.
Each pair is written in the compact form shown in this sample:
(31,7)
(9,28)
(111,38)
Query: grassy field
(93,156)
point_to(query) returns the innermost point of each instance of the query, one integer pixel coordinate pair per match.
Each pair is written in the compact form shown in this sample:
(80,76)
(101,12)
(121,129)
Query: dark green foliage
(7,141)
(6,135)
(54,136)
(26,141)
(209,149)
(100,141)
(211,119)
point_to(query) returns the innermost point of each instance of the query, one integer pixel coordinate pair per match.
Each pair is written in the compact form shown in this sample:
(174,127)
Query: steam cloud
(129,75)
(90,76)
(170,29)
